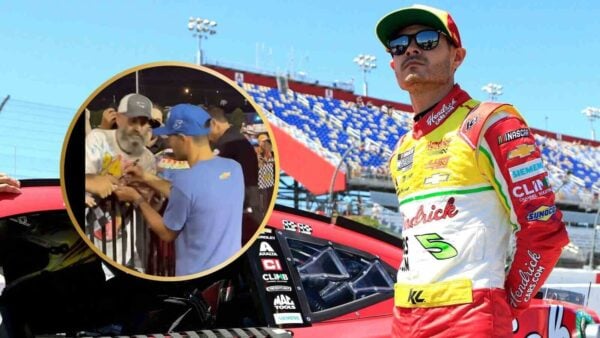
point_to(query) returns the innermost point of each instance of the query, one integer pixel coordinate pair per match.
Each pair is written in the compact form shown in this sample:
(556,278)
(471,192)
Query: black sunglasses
(426,40)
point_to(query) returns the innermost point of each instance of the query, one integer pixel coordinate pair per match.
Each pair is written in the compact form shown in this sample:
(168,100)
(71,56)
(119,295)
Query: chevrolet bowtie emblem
(437,178)
(522,150)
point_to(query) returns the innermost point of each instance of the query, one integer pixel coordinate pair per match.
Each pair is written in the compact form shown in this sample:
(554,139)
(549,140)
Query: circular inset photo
(169,171)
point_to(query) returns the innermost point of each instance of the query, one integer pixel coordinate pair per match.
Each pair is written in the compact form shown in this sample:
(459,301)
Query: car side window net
(332,276)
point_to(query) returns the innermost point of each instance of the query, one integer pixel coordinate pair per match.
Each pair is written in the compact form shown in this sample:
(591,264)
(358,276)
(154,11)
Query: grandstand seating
(336,125)
(582,238)
(331,127)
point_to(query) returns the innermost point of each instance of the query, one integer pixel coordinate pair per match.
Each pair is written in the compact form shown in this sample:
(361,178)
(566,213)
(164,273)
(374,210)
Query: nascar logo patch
(513,135)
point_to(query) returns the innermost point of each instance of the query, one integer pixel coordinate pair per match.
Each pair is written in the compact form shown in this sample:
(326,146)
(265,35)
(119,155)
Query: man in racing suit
(468,177)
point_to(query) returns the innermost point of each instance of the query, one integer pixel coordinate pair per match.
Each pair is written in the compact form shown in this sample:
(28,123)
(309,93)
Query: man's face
(151,139)
(419,69)
(265,145)
(132,133)
(215,131)
(177,144)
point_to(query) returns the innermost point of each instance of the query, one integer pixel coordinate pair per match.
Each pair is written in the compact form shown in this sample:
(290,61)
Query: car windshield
(562,295)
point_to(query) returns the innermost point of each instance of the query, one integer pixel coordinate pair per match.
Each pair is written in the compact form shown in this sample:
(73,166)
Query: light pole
(493,89)
(592,113)
(337,168)
(201,29)
(366,63)
(594,238)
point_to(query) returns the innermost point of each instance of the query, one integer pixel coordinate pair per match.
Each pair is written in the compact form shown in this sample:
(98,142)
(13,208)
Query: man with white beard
(108,153)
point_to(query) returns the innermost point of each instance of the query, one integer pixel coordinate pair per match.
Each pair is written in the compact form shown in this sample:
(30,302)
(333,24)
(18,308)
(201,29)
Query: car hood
(35,196)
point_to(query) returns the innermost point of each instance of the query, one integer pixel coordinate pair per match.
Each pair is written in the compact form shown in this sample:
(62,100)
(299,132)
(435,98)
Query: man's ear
(392,64)
(459,57)
(121,120)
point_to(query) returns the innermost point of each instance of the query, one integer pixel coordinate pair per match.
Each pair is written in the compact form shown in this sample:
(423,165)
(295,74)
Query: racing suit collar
(436,115)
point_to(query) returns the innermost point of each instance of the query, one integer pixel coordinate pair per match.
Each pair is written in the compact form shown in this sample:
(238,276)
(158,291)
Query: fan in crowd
(107,154)
(229,142)
(266,171)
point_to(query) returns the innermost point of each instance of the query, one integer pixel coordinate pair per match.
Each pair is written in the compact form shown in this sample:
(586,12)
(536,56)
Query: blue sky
(544,53)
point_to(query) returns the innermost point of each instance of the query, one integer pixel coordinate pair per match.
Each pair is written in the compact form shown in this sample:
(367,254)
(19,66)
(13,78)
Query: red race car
(304,276)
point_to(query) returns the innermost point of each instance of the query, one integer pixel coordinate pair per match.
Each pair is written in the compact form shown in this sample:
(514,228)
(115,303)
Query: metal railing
(119,231)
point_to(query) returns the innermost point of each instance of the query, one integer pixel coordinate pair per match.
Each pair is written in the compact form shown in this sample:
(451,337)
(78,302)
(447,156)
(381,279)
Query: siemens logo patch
(288,318)
(526,170)
(542,213)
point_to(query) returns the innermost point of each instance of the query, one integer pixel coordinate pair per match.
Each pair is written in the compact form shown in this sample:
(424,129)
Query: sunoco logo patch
(542,213)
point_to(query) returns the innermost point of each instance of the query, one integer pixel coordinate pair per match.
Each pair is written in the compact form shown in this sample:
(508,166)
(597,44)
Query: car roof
(37,195)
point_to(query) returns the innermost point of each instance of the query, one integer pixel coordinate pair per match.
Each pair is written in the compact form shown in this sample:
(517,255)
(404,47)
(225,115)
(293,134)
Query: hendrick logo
(542,213)
(513,135)
(435,214)
(266,250)
(284,302)
(414,296)
(439,116)
(530,276)
(526,170)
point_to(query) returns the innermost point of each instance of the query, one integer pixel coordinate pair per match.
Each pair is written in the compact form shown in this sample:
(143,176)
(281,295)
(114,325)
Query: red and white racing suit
(467,180)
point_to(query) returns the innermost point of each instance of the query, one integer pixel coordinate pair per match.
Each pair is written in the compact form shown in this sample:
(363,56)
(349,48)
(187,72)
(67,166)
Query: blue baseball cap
(185,119)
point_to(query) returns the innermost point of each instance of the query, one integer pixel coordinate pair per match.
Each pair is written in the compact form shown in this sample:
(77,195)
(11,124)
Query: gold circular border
(246,246)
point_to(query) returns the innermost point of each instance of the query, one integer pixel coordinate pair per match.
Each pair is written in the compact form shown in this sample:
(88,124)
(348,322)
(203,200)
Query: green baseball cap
(435,18)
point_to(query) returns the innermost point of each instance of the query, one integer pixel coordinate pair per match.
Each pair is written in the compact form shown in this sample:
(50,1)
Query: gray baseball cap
(135,105)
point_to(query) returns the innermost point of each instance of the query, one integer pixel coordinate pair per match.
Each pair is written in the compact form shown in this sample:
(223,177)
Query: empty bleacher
(330,127)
